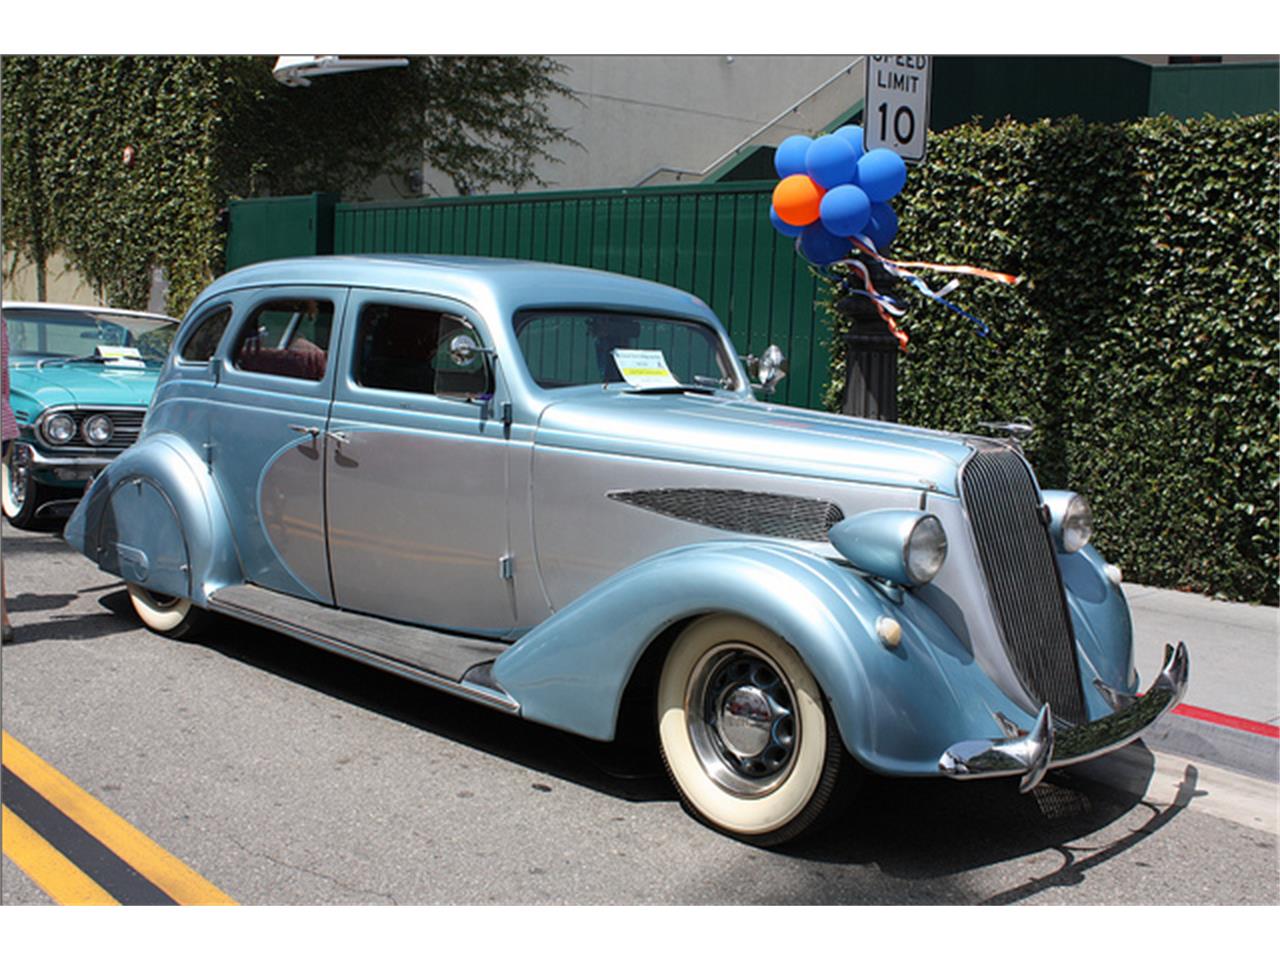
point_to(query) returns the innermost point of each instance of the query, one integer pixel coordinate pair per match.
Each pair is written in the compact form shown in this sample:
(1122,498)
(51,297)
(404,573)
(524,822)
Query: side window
(407,349)
(204,341)
(288,338)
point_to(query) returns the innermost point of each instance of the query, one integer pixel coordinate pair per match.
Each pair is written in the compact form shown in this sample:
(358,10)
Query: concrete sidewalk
(1235,671)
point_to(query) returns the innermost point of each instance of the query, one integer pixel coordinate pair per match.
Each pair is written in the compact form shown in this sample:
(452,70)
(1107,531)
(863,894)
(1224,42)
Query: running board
(444,661)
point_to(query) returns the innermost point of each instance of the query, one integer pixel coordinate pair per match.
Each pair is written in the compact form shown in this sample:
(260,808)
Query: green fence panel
(712,240)
(271,228)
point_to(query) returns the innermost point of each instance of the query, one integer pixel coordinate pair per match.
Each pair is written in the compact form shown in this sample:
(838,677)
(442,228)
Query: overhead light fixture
(297,71)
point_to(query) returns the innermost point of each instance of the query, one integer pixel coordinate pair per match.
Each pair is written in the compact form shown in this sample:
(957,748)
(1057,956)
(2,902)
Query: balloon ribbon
(886,306)
(902,270)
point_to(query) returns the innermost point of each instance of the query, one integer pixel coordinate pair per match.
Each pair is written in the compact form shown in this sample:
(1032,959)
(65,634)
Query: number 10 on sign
(897,105)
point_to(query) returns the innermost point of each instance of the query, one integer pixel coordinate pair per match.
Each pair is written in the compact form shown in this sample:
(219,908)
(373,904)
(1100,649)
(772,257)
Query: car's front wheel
(746,733)
(20,492)
(175,617)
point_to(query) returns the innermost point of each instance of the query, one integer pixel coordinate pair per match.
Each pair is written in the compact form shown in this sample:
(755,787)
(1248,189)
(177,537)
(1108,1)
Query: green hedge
(1143,344)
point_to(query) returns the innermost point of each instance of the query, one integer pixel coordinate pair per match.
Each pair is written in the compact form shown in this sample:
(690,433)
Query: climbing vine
(124,164)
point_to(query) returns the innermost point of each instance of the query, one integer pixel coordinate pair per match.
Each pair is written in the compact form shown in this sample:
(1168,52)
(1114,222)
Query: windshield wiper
(91,358)
(678,388)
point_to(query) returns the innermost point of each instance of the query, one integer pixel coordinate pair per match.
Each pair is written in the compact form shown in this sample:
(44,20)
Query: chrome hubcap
(742,720)
(161,601)
(17,470)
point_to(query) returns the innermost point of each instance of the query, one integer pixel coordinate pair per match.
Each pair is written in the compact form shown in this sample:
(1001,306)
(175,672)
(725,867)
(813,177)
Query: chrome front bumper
(43,461)
(1037,752)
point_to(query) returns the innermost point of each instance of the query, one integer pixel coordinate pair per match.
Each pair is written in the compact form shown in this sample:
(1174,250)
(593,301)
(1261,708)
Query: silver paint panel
(583,536)
(958,594)
(417,527)
(291,504)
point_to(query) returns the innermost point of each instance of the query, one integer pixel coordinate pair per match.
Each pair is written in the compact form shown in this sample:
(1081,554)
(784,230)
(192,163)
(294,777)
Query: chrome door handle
(337,436)
(312,432)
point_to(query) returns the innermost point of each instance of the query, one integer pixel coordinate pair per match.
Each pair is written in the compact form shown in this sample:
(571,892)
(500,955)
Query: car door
(417,470)
(267,434)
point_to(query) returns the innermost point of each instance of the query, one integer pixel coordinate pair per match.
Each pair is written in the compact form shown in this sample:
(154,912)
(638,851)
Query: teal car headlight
(1070,519)
(98,429)
(906,547)
(926,549)
(59,428)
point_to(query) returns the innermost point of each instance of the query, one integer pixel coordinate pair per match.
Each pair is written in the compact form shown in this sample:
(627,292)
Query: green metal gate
(715,242)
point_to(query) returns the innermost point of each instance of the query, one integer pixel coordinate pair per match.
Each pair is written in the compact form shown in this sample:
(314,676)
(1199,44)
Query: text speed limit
(897,105)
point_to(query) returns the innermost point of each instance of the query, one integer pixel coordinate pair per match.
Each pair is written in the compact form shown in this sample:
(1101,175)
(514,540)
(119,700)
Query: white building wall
(635,115)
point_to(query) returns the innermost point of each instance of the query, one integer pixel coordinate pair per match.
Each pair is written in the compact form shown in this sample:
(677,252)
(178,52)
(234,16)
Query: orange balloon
(796,199)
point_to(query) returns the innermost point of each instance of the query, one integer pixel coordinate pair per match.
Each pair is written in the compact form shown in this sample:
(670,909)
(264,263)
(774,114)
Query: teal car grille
(1016,553)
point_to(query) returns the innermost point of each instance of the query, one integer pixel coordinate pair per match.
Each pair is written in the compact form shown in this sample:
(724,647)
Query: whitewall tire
(20,495)
(745,731)
(171,616)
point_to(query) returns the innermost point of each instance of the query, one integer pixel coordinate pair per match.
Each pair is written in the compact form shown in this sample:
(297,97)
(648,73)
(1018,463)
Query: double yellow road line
(80,852)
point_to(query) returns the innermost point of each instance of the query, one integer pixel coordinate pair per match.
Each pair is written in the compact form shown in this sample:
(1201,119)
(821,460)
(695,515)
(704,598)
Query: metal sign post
(896,115)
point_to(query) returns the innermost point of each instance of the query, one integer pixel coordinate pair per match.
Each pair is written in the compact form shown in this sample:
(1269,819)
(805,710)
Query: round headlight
(925,550)
(98,429)
(1077,524)
(60,428)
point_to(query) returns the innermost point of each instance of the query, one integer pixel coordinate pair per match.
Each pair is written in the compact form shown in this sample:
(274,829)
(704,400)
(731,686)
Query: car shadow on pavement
(607,767)
(78,626)
(908,828)
(928,828)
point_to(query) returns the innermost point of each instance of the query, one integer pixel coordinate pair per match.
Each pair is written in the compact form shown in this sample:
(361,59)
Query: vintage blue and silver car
(80,382)
(552,491)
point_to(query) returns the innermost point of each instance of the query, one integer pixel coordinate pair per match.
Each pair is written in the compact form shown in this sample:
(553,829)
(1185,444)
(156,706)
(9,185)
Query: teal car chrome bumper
(1033,754)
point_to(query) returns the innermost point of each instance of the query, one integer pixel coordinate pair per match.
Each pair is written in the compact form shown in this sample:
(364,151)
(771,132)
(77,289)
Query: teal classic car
(552,491)
(80,381)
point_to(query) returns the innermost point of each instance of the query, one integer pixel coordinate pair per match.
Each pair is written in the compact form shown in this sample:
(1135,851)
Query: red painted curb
(1226,720)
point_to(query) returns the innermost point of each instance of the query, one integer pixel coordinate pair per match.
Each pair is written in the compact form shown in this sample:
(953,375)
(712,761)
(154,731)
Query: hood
(748,435)
(83,384)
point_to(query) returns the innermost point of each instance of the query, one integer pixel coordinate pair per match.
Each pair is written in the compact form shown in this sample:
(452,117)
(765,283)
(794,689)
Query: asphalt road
(285,775)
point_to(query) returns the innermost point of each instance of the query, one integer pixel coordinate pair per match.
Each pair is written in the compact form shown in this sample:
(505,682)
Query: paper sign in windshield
(121,356)
(644,368)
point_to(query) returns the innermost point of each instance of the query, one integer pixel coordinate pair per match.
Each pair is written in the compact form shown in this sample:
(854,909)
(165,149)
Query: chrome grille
(126,425)
(1016,553)
(742,511)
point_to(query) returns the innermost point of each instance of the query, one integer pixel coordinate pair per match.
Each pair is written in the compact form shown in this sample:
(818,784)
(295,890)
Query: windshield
(79,333)
(571,348)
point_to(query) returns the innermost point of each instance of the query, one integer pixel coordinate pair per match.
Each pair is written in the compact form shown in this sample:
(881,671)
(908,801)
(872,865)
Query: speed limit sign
(897,105)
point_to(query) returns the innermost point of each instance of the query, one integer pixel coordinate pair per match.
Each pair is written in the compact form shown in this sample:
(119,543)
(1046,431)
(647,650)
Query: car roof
(81,308)
(515,283)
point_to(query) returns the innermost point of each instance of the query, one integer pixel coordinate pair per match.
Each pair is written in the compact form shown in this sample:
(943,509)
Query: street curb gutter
(1237,750)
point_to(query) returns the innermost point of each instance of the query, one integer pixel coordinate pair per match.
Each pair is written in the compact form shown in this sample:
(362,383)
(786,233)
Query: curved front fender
(897,709)
(153,517)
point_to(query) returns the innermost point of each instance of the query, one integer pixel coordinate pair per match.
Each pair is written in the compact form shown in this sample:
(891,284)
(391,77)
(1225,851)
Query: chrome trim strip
(39,459)
(499,700)
(1044,749)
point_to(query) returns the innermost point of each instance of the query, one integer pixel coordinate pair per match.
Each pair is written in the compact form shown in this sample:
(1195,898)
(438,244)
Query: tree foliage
(1143,344)
(203,130)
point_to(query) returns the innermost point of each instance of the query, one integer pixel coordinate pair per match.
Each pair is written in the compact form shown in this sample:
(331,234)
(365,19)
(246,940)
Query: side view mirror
(767,369)
(463,349)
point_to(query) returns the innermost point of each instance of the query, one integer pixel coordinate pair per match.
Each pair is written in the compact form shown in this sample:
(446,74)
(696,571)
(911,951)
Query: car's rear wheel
(746,733)
(175,617)
(21,493)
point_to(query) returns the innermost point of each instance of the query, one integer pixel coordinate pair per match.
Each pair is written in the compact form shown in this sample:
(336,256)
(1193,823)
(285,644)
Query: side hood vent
(742,511)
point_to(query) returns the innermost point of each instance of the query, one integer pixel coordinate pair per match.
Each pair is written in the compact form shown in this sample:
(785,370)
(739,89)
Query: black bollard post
(871,355)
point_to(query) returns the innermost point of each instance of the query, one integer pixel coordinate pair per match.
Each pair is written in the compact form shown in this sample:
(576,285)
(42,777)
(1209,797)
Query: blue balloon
(820,247)
(844,210)
(831,161)
(784,228)
(854,136)
(882,226)
(788,159)
(881,173)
